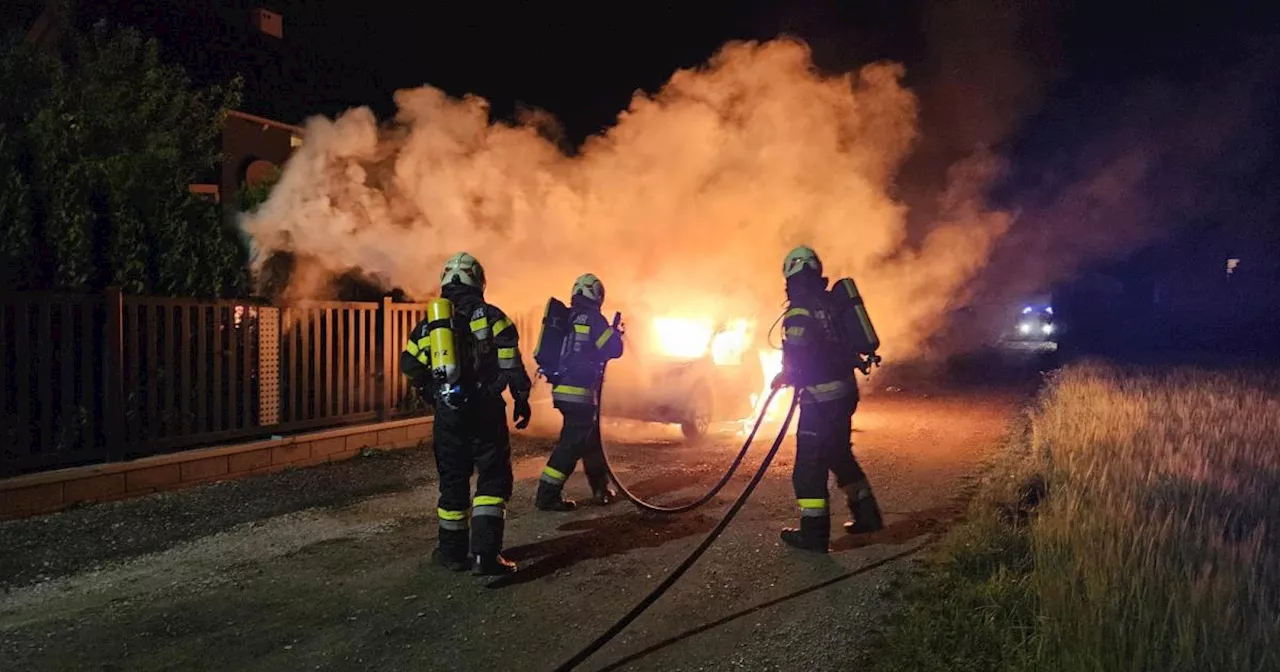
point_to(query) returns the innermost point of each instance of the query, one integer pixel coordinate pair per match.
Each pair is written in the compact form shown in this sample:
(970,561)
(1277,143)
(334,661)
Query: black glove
(522,412)
(424,393)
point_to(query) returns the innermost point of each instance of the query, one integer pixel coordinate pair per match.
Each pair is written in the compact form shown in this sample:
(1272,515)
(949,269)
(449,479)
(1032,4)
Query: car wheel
(699,422)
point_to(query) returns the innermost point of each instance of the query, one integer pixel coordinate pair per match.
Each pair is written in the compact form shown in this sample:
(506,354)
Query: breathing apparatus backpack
(446,369)
(550,348)
(852,324)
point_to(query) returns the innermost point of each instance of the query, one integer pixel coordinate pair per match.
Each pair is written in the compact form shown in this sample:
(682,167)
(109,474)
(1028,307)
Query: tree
(97,149)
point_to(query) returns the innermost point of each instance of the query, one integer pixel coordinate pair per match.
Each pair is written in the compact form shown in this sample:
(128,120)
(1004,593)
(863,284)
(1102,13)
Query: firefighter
(470,429)
(576,395)
(820,368)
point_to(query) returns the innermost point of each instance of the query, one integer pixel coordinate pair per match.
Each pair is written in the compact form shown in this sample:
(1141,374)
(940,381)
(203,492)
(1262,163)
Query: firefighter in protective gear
(471,434)
(576,395)
(815,365)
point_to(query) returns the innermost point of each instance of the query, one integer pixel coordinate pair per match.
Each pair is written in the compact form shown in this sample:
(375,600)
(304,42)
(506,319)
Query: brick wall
(50,491)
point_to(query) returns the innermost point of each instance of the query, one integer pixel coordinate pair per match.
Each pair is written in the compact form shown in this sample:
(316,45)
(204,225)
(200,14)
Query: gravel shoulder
(325,568)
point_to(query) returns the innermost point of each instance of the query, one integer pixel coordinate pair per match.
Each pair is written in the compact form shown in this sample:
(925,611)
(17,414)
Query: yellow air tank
(444,358)
(853,318)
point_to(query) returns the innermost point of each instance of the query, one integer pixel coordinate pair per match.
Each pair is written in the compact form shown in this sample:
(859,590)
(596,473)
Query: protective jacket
(592,343)
(493,356)
(817,364)
(472,438)
(813,360)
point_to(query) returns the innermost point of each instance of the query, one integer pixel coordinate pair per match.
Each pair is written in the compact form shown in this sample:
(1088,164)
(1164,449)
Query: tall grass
(1157,546)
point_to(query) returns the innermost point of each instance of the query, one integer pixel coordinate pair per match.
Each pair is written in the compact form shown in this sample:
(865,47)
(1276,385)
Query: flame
(731,344)
(682,337)
(771,364)
(694,338)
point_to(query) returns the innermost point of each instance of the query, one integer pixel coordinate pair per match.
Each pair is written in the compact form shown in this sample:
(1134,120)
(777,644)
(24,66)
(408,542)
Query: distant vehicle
(1034,323)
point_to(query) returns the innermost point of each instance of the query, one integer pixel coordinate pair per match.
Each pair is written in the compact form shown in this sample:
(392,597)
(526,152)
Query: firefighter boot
(451,550)
(863,508)
(602,493)
(494,565)
(813,535)
(486,543)
(604,496)
(551,498)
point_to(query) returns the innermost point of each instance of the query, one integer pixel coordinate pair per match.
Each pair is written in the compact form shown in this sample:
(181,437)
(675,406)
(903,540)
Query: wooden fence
(98,377)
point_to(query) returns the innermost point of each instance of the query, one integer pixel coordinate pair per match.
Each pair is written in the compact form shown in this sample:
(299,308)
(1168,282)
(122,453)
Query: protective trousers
(823,445)
(472,438)
(579,439)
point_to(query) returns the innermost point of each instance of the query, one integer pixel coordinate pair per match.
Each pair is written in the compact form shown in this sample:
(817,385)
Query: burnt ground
(326,568)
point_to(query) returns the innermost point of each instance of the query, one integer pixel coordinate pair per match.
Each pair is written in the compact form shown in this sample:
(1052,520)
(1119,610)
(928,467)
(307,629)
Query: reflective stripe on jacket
(810,355)
(592,343)
(495,363)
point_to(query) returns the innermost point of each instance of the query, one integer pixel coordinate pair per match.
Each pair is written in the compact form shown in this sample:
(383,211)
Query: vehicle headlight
(1024,328)
(1047,328)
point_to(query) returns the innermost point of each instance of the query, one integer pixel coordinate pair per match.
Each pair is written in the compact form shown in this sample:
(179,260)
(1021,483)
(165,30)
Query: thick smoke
(687,205)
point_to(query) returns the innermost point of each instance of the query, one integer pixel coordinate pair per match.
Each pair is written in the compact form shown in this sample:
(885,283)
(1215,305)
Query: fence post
(268,366)
(387,385)
(113,400)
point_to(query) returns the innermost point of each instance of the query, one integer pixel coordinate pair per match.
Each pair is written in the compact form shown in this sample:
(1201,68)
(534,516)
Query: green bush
(99,141)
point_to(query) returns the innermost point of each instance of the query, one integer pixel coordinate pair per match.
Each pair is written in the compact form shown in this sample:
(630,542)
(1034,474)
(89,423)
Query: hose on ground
(715,490)
(679,571)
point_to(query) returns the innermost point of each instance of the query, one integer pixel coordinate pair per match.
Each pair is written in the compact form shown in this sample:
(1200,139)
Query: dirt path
(325,568)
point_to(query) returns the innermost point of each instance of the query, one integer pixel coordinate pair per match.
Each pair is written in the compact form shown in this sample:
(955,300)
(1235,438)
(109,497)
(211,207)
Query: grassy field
(1133,523)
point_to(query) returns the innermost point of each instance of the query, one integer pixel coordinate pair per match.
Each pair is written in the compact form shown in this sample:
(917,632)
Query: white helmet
(799,259)
(463,268)
(589,286)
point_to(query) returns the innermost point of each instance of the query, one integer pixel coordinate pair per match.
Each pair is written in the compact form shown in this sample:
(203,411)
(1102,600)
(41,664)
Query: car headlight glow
(1047,328)
(1024,328)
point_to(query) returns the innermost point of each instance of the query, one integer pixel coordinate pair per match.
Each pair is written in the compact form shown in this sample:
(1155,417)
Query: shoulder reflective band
(501,326)
(604,337)
(506,358)
(480,327)
(582,328)
(796,312)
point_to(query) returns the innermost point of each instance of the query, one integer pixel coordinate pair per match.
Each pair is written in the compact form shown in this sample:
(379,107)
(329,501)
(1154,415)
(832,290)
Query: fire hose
(711,537)
(715,489)
(710,494)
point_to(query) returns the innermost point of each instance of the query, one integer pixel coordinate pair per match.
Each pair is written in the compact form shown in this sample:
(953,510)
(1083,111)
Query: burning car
(687,371)
(693,372)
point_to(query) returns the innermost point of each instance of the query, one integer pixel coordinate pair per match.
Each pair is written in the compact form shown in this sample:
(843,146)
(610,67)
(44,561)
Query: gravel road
(326,568)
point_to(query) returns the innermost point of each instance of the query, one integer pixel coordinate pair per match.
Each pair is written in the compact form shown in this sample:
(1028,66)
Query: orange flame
(730,344)
(682,337)
(771,364)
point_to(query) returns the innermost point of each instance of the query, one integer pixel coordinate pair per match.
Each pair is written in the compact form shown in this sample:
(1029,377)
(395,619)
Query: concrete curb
(49,491)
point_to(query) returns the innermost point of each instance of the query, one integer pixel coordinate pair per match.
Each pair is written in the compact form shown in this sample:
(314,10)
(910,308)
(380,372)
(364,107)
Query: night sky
(1051,85)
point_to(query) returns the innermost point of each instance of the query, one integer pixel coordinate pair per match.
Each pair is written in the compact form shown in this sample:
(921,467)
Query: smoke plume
(687,205)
